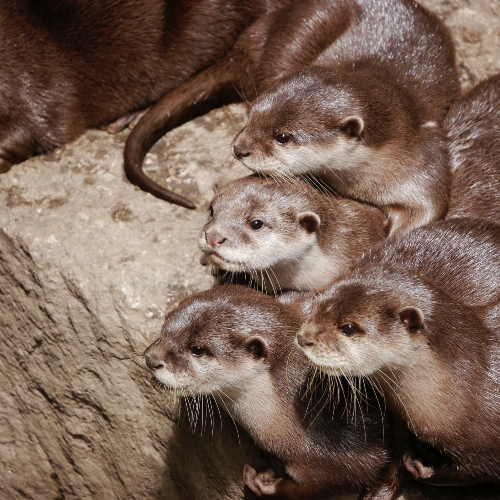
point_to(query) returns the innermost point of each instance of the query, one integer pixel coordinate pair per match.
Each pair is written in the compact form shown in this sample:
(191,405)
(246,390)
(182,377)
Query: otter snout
(303,341)
(240,153)
(214,240)
(153,359)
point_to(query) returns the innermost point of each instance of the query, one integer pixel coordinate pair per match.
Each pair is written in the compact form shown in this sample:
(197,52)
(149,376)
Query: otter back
(475,152)
(70,65)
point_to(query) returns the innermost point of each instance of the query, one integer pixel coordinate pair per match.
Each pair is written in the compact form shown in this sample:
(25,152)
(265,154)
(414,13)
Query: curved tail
(209,89)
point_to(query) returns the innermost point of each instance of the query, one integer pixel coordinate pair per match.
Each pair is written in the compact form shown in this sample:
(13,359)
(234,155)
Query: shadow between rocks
(206,461)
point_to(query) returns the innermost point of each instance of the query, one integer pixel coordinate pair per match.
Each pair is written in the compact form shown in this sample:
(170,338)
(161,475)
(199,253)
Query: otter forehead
(227,312)
(310,101)
(355,304)
(256,195)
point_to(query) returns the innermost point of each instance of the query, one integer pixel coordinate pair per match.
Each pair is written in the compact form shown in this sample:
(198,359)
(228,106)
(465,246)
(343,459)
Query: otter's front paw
(130,121)
(262,483)
(416,467)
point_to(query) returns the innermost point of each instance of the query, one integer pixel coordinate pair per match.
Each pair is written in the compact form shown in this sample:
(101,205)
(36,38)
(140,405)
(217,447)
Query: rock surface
(88,267)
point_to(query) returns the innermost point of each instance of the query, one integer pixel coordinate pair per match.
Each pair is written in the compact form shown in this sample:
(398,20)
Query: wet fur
(252,368)
(70,65)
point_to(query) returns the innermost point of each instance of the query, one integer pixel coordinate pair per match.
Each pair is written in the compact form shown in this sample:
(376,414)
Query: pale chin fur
(208,376)
(329,367)
(363,359)
(299,160)
(270,251)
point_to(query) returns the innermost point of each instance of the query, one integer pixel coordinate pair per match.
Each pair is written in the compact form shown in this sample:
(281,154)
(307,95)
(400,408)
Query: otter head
(256,223)
(357,329)
(305,123)
(215,342)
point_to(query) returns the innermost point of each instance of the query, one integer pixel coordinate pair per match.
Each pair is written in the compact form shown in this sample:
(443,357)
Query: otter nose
(153,362)
(214,240)
(239,153)
(303,342)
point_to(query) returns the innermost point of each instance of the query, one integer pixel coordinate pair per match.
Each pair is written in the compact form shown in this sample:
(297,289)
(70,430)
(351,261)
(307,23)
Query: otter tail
(211,88)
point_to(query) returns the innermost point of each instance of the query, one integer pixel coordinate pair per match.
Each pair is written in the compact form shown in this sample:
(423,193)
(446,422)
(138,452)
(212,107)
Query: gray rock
(88,267)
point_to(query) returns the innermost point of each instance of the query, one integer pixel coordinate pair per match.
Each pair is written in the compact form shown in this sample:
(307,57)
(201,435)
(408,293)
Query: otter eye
(348,330)
(282,138)
(197,350)
(256,224)
(211,211)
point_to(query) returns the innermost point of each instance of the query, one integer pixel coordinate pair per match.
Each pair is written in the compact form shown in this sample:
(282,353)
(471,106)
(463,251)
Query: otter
(236,344)
(71,65)
(472,125)
(360,133)
(285,234)
(419,318)
(393,50)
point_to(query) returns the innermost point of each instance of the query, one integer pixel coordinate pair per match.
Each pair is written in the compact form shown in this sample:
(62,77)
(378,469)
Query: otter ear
(352,126)
(412,318)
(309,221)
(257,347)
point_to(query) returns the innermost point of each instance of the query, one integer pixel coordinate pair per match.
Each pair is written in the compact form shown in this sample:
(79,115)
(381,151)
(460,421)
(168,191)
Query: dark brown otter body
(236,344)
(420,318)
(473,124)
(68,65)
(286,235)
(394,38)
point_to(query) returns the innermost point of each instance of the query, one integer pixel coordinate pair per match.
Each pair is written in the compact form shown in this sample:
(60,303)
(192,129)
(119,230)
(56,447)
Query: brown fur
(68,65)
(420,317)
(475,152)
(357,35)
(360,133)
(307,238)
(250,365)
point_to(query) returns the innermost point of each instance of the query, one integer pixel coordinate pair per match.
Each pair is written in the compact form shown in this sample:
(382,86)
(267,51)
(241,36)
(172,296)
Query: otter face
(302,125)
(360,331)
(252,226)
(207,347)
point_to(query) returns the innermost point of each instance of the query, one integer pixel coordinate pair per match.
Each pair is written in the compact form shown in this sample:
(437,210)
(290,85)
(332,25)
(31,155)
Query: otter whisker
(229,413)
(389,381)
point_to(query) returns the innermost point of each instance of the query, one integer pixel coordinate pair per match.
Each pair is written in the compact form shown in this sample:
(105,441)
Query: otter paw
(416,468)
(262,483)
(122,123)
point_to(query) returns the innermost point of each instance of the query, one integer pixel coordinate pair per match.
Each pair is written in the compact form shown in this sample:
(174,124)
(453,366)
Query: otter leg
(263,483)
(390,487)
(442,473)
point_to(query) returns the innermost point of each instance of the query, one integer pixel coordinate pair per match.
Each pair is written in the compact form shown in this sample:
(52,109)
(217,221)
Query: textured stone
(88,267)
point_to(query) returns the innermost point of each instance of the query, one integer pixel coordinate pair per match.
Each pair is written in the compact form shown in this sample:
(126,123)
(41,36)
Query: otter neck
(306,272)
(416,391)
(257,408)
(361,173)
